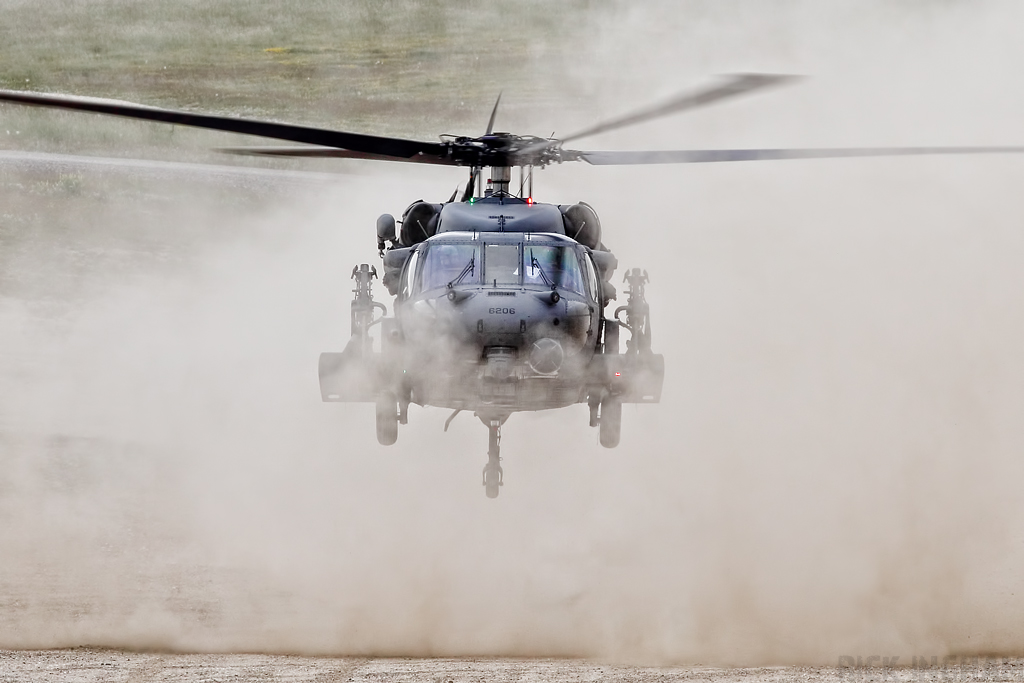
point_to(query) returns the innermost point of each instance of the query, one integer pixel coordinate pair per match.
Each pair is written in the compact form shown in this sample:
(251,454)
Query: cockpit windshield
(450,263)
(502,264)
(555,267)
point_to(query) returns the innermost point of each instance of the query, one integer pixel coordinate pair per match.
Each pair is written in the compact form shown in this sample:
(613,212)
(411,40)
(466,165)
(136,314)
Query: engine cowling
(394,261)
(582,224)
(419,222)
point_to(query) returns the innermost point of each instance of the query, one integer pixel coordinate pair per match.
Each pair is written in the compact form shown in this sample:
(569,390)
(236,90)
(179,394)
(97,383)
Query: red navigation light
(618,374)
(529,200)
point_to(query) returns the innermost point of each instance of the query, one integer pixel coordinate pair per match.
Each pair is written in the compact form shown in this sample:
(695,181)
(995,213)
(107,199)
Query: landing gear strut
(493,475)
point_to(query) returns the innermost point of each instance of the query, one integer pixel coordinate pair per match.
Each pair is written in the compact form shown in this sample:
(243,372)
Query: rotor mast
(500,153)
(498,183)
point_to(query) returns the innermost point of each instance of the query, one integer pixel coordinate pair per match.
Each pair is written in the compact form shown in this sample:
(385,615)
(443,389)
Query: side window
(409,275)
(591,274)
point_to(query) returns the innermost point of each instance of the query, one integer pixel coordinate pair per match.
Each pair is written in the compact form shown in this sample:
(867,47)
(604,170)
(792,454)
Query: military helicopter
(500,300)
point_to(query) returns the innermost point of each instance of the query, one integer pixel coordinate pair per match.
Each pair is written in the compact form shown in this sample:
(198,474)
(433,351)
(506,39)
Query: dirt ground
(82,664)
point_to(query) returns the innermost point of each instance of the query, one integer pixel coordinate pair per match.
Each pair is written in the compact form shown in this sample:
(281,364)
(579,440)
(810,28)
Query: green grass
(396,67)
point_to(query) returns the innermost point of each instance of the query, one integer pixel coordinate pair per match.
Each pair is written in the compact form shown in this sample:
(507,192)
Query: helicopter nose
(546,356)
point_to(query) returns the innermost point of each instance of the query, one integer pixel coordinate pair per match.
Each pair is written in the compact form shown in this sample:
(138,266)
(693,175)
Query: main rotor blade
(45,161)
(735,84)
(700,156)
(494,112)
(385,147)
(327,153)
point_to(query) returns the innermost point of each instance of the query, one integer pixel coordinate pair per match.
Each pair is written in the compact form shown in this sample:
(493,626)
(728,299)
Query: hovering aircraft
(501,302)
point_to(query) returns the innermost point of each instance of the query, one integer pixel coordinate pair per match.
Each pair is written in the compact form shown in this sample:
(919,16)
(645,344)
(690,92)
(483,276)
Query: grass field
(397,67)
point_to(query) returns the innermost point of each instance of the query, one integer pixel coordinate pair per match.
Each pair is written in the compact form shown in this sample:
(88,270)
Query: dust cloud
(832,470)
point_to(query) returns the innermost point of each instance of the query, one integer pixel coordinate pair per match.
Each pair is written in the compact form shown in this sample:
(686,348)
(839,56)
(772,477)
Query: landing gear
(387,419)
(631,377)
(493,475)
(389,410)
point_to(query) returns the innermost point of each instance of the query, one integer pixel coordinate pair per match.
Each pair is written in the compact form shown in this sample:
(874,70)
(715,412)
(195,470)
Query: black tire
(387,419)
(611,421)
(492,480)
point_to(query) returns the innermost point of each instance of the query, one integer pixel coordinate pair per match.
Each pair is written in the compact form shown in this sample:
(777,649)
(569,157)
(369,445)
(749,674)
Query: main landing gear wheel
(492,470)
(611,421)
(492,480)
(387,419)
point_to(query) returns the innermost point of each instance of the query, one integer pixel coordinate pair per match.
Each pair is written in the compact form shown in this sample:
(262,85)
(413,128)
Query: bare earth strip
(83,664)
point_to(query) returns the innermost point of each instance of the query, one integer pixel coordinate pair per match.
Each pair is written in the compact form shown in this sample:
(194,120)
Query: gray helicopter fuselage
(498,309)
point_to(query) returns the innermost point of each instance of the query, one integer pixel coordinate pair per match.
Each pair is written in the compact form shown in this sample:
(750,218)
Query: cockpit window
(409,274)
(591,275)
(553,267)
(502,264)
(450,263)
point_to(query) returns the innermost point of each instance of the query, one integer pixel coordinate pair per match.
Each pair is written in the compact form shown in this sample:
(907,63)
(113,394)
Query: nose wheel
(492,470)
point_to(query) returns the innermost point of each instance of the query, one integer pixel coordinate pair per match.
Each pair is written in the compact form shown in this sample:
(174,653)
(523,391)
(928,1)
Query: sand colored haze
(833,470)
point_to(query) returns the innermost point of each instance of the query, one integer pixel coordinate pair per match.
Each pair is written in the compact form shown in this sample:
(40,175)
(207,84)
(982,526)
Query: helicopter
(501,302)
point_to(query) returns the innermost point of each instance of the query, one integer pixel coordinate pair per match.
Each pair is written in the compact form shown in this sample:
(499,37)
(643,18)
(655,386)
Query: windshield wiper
(468,270)
(534,263)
